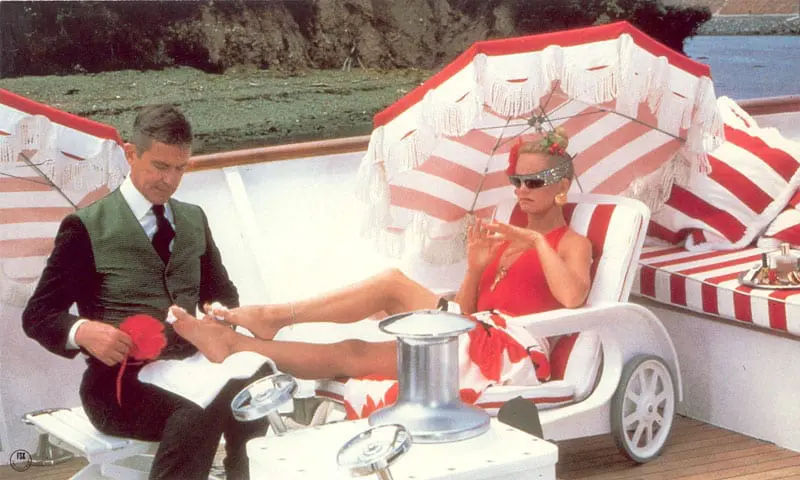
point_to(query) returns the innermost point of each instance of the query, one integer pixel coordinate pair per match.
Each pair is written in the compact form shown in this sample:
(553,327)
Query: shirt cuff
(71,343)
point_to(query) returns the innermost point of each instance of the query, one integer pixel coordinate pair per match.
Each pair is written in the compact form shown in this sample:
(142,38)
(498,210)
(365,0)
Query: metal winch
(428,403)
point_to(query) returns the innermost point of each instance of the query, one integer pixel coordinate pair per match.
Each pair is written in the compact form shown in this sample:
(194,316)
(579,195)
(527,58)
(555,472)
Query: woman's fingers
(500,227)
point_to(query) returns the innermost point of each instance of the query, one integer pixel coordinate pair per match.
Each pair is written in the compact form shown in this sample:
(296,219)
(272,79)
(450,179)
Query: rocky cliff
(39,38)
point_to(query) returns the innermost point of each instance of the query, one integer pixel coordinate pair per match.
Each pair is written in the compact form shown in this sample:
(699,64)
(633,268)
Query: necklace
(501,273)
(502,270)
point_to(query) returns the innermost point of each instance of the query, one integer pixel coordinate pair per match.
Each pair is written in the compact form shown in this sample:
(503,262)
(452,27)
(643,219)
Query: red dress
(524,288)
(496,352)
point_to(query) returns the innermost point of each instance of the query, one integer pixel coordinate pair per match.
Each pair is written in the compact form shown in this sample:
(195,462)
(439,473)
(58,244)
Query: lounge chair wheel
(263,398)
(643,408)
(374,450)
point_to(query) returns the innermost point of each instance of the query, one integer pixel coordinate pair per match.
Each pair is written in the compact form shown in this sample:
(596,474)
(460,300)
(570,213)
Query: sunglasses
(543,178)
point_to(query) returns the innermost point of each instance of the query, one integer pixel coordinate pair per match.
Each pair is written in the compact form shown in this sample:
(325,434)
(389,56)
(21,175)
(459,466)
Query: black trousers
(189,434)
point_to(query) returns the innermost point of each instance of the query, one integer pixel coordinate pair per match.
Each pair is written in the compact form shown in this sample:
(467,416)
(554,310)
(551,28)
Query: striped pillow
(754,174)
(785,227)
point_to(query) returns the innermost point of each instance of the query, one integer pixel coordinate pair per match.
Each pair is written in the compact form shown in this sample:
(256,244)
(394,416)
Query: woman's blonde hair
(553,143)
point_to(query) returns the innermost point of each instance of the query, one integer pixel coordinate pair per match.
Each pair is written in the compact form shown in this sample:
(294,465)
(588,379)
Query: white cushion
(583,365)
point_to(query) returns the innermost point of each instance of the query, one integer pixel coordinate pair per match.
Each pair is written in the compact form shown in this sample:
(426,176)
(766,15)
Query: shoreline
(751,25)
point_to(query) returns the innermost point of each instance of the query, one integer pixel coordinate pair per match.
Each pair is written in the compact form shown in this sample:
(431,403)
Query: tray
(767,287)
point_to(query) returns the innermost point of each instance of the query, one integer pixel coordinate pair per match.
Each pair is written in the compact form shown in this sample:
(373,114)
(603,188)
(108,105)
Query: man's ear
(130,152)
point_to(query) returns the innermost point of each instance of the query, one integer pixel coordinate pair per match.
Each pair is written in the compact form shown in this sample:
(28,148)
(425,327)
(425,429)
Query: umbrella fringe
(15,292)
(34,132)
(516,97)
(453,119)
(76,176)
(8,154)
(88,174)
(410,151)
(372,183)
(659,81)
(377,216)
(655,188)
(392,244)
(643,78)
(450,249)
(594,87)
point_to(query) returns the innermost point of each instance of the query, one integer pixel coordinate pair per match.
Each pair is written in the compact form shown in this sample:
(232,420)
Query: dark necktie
(164,233)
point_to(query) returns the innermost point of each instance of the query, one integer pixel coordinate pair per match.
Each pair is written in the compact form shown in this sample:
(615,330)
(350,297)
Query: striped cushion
(785,227)
(707,282)
(548,395)
(754,174)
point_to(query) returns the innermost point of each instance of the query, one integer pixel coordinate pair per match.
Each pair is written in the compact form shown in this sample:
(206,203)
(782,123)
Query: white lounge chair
(614,366)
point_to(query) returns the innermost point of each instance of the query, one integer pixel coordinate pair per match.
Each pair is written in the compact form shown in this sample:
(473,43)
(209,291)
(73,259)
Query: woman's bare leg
(390,291)
(350,358)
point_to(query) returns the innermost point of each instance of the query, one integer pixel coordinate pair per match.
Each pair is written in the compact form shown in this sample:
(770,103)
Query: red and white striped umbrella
(639,116)
(51,162)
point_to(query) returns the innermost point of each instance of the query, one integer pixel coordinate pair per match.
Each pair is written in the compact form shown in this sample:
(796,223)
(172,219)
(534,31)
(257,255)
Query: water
(749,67)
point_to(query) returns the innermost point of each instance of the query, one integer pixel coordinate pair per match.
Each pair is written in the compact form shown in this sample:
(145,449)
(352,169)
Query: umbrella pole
(486,169)
(49,182)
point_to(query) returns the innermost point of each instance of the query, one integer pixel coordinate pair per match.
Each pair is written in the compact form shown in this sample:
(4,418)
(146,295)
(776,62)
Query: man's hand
(108,344)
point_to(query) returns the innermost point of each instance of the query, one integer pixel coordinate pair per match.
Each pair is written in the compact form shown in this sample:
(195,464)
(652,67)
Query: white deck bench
(738,346)
(109,457)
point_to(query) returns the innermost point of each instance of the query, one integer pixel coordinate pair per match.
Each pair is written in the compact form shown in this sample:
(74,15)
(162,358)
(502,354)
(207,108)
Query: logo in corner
(20,460)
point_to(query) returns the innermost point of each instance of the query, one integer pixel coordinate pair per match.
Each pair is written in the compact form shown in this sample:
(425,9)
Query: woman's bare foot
(263,321)
(212,338)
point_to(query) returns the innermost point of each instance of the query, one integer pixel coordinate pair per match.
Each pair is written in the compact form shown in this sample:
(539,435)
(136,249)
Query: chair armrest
(563,321)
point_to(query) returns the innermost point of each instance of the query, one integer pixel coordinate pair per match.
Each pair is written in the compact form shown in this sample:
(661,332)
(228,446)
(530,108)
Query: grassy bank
(240,109)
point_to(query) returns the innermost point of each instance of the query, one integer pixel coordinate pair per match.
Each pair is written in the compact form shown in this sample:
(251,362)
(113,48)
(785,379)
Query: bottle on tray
(785,263)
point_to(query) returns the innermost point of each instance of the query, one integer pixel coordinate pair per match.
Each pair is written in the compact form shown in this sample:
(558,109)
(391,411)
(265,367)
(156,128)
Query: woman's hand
(518,235)
(481,246)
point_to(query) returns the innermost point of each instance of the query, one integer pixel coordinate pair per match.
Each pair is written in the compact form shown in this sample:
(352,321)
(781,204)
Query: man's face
(157,172)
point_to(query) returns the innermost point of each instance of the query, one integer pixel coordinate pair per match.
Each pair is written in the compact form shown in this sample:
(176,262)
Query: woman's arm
(567,271)
(467,296)
(481,248)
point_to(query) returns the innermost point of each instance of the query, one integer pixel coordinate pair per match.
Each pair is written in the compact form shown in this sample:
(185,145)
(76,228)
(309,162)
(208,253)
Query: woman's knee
(394,276)
(361,358)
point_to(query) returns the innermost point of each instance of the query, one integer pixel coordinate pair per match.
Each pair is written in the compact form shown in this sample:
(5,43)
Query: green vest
(132,277)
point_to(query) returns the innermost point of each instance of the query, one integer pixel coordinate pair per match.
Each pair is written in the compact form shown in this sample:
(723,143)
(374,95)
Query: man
(138,251)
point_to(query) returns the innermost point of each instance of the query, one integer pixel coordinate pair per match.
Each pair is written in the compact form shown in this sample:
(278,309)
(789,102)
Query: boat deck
(695,451)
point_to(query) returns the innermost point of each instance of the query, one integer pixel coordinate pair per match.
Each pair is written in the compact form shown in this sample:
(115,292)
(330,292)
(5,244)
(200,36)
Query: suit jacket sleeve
(215,285)
(67,276)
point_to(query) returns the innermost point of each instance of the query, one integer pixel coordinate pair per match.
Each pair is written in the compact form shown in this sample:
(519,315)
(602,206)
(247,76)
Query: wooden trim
(279,152)
(756,106)
(771,105)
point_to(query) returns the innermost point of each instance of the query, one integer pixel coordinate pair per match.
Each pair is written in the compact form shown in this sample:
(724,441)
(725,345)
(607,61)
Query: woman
(511,271)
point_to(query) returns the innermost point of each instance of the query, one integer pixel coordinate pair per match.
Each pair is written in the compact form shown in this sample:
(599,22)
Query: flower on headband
(513,157)
(556,149)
